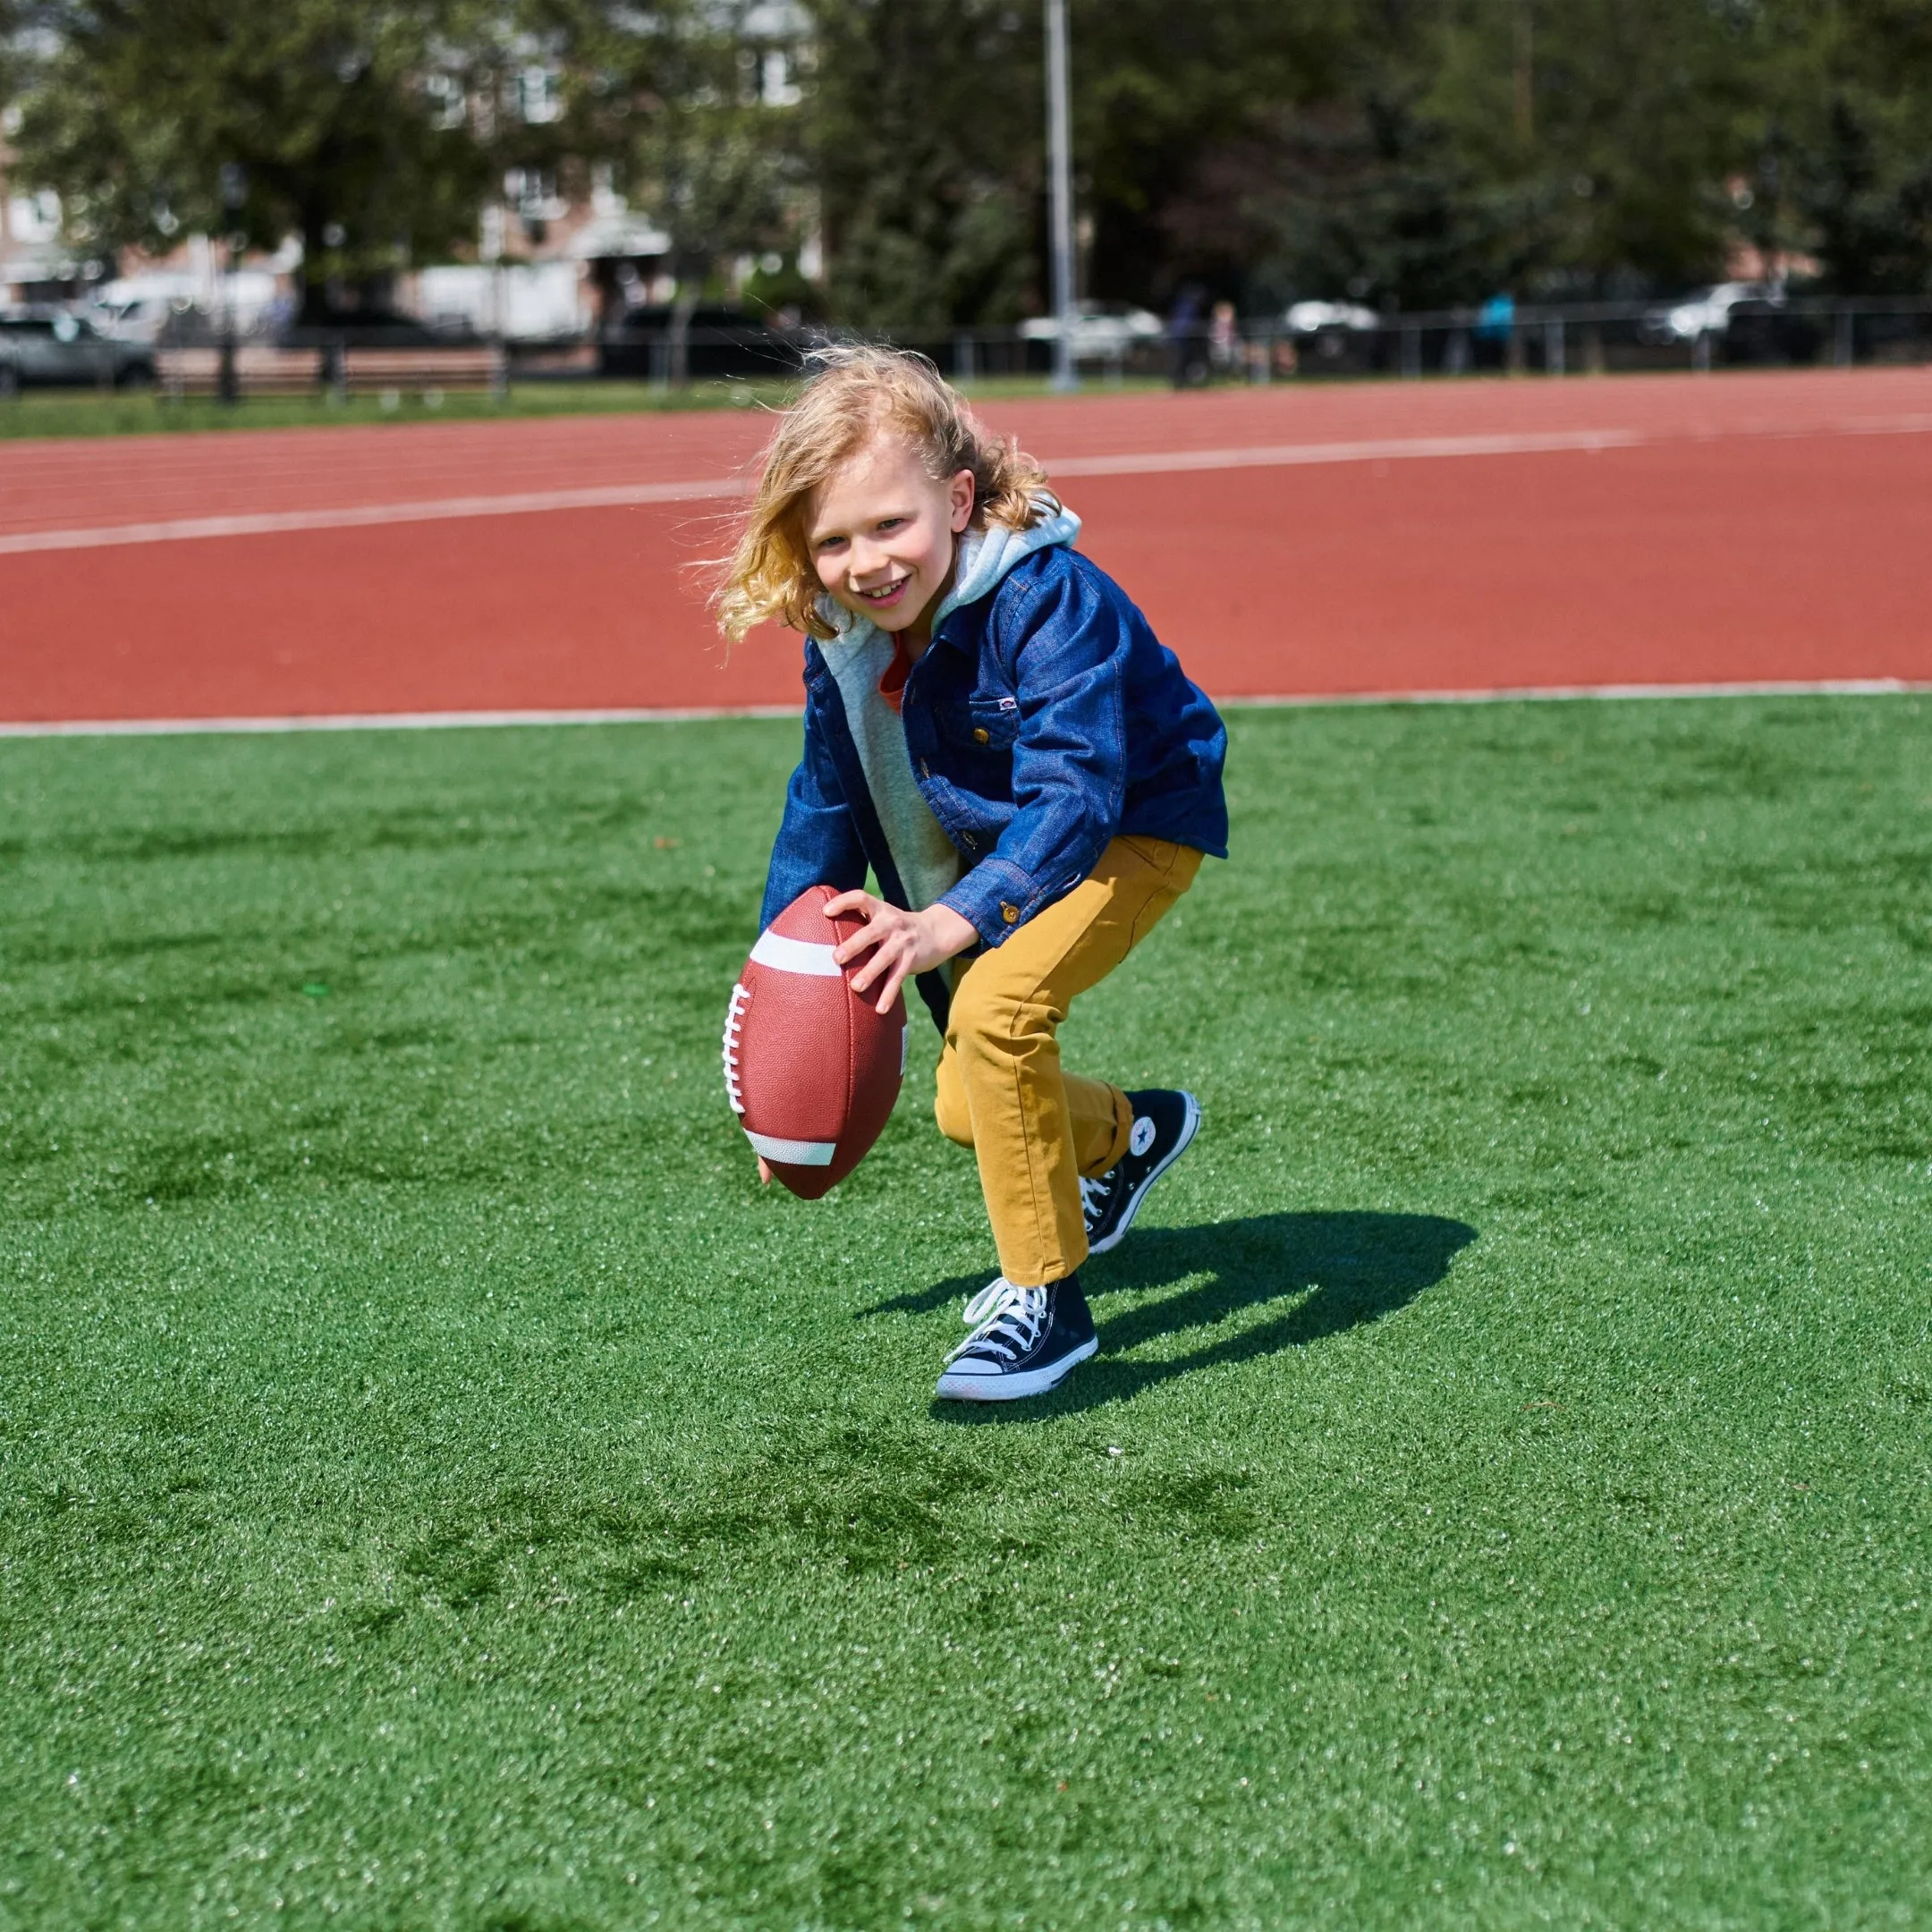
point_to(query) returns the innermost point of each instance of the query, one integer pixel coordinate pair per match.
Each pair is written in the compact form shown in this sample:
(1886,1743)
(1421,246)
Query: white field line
(493,720)
(1141,462)
(1570,693)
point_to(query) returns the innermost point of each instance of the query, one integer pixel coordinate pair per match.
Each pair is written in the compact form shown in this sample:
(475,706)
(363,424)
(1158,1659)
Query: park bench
(261,370)
(420,371)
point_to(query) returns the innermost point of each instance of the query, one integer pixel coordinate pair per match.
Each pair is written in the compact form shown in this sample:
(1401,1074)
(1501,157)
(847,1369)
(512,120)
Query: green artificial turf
(84,413)
(440,1489)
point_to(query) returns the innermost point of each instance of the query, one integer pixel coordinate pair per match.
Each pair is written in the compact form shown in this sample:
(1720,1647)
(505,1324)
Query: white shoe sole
(1188,1128)
(1014,1388)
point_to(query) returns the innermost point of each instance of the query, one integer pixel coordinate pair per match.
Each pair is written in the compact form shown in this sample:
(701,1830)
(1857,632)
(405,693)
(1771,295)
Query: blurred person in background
(1224,338)
(1187,362)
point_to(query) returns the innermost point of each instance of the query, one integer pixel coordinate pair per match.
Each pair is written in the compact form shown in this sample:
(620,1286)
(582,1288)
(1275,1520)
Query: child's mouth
(886,595)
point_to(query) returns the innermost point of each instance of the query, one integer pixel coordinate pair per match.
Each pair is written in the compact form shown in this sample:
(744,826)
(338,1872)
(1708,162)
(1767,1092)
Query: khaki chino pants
(1035,1129)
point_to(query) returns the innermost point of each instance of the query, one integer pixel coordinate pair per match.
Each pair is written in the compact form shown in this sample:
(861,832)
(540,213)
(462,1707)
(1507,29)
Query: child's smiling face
(882,534)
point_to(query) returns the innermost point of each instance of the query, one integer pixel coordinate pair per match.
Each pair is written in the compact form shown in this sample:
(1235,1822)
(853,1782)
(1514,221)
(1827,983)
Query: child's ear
(962,491)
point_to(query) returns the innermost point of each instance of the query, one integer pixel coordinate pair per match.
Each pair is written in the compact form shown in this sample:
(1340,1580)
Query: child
(993,728)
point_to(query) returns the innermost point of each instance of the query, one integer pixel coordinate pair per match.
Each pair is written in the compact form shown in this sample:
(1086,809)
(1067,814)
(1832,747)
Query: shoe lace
(981,1305)
(1094,1194)
(1011,1321)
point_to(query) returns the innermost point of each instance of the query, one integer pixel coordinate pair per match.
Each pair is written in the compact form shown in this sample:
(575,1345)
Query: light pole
(233,193)
(1059,177)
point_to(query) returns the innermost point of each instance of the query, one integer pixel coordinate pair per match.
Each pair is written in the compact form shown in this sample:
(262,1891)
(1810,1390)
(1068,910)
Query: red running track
(1440,536)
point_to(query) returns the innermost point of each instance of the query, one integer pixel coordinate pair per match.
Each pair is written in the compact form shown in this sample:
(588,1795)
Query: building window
(532,193)
(444,94)
(777,86)
(34,218)
(538,96)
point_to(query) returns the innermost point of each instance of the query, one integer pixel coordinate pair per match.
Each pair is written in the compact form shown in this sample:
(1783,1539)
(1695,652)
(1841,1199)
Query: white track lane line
(1378,449)
(362,516)
(493,720)
(1145,462)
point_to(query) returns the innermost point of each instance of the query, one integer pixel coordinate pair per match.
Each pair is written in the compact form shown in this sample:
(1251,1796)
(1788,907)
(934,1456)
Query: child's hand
(903,944)
(764,1173)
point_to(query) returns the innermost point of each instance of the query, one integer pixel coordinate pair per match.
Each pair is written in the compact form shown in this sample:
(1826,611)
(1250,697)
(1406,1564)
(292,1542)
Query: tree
(677,98)
(1845,156)
(1177,113)
(1418,152)
(1568,149)
(924,134)
(369,128)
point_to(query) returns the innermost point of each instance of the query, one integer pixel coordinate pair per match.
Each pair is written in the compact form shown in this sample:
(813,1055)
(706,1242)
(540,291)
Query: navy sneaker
(1164,1123)
(1027,1342)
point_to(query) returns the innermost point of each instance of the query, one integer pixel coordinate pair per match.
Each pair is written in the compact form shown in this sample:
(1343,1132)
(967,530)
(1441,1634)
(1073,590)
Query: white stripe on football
(794,1153)
(795,956)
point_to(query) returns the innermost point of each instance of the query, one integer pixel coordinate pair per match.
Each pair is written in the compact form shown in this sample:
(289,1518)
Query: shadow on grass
(1360,1267)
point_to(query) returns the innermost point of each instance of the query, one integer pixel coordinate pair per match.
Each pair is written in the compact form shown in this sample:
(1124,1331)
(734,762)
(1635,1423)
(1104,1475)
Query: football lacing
(740,997)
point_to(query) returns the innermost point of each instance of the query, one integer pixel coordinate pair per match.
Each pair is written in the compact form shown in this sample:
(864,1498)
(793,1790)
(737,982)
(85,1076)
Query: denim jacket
(1043,720)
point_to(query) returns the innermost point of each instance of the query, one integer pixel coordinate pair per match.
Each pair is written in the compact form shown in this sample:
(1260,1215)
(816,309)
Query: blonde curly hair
(853,393)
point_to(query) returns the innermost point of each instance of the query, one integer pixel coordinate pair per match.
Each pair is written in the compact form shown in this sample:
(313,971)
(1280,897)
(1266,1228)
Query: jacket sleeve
(818,842)
(1070,648)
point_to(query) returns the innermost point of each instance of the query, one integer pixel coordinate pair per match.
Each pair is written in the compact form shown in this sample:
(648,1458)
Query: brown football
(811,1068)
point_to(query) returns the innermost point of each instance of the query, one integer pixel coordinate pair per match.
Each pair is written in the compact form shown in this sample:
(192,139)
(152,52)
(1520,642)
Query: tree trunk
(681,315)
(315,302)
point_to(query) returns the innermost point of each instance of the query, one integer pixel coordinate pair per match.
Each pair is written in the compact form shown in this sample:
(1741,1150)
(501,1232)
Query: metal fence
(1566,340)
(1563,340)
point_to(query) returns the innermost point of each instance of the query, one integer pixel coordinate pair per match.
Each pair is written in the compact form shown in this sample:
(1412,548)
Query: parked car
(1311,317)
(140,316)
(52,346)
(719,342)
(360,328)
(1709,311)
(1102,332)
(1767,331)
(1334,337)
(1747,321)
(137,308)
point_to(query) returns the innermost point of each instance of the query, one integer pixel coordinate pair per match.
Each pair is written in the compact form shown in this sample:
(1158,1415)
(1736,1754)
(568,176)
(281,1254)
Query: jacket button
(1011,914)
(982,735)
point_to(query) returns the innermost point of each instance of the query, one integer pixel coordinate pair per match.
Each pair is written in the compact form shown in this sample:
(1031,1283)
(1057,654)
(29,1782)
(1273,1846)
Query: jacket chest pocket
(980,724)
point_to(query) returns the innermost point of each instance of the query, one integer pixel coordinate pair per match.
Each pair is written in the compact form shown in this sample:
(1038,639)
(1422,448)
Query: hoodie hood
(982,562)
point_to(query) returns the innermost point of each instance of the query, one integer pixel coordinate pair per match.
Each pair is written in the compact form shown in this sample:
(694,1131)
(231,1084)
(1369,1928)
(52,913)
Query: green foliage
(672,96)
(1403,151)
(1846,165)
(438,1487)
(925,143)
(1499,144)
(1417,152)
(136,107)
(1176,114)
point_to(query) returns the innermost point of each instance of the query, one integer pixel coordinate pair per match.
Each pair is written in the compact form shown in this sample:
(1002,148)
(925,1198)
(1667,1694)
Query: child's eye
(891,522)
